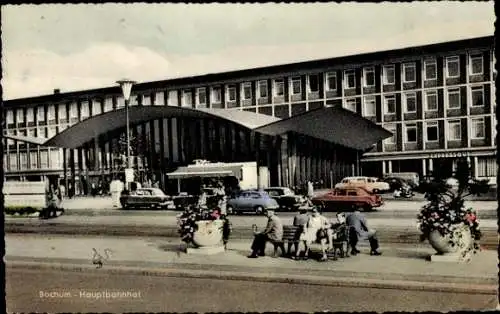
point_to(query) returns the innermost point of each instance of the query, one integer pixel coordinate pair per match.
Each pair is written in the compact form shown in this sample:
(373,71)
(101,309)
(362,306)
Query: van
(411,177)
(369,183)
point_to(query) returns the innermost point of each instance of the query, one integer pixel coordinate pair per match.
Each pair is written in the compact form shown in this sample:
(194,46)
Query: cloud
(35,72)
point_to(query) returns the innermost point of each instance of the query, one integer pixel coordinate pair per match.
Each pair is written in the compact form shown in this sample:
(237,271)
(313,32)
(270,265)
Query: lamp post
(126,86)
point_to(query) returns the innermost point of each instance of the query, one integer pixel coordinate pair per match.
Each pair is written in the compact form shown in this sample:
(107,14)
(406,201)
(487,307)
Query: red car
(348,199)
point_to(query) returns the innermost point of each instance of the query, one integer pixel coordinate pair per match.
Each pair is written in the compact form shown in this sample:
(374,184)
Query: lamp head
(126,86)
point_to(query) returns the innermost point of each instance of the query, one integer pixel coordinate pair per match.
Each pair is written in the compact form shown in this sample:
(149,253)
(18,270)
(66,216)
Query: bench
(289,237)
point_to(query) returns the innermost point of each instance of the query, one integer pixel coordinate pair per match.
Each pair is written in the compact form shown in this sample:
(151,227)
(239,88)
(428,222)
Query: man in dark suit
(272,233)
(359,230)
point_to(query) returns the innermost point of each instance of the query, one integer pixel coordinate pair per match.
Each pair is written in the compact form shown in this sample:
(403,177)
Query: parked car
(348,199)
(147,198)
(251,201)
(183,199)
(368,183)
(412,178)
(396,183)
(286,198)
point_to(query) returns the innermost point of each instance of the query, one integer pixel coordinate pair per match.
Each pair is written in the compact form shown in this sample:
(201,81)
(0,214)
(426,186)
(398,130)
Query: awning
(192,172)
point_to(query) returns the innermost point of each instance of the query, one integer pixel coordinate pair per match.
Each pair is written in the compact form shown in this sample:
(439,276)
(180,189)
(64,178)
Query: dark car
(286,198)
(396,183)
(147,198)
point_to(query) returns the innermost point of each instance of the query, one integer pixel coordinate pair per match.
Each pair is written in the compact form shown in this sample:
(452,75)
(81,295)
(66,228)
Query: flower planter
(209,233)
(456,244)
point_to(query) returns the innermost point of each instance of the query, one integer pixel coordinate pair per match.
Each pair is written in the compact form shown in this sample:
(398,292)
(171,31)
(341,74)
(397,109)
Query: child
(226,230)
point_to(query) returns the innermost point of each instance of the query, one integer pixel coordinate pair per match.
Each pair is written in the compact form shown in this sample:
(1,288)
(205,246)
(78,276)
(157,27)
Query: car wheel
(375,191)
(229,210)
(259,210)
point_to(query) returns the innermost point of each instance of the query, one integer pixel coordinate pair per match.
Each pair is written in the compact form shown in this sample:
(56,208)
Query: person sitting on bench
(273,233)
(360,231)
(317,229)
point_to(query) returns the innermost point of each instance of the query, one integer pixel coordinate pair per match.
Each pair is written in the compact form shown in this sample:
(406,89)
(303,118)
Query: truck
(28,198)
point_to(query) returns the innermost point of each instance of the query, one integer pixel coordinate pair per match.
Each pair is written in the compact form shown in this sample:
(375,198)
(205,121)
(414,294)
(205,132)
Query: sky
(76,47)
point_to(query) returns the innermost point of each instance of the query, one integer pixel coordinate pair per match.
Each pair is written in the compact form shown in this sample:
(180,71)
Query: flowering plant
(445,208)
(187,222)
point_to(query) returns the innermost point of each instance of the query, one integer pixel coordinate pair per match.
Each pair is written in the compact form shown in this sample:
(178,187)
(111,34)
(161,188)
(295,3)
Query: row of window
(431,131)
(409,101)
(33,160)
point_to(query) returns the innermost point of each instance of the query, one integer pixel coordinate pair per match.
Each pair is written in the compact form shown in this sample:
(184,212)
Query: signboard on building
(129,175)
(450,155)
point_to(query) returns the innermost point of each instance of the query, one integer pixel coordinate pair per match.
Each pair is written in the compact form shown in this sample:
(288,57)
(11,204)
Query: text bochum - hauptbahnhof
(437,100)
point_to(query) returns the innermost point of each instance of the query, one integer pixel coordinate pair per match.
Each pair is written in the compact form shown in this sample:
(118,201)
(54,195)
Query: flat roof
(274,69)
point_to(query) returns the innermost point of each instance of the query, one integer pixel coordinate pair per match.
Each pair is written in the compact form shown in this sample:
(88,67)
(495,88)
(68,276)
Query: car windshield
(273,192)
(157,192)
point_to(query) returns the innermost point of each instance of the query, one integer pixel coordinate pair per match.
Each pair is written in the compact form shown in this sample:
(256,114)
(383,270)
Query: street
(62,291)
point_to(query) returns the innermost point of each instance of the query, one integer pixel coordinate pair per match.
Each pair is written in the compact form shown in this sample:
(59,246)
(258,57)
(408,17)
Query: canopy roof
(332,124)
(91,128)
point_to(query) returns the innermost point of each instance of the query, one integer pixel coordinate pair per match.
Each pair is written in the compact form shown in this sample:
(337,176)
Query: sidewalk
(399,267)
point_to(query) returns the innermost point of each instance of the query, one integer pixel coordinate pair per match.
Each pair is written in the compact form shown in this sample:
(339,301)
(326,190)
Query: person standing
(356,221)
(116,187)
(272,233)
(310,190)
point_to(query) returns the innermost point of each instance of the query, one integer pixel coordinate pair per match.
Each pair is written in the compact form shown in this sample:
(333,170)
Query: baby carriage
(340,238)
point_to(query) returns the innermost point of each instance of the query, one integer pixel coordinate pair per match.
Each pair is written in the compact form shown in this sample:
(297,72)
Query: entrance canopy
(332,124)
(91,128)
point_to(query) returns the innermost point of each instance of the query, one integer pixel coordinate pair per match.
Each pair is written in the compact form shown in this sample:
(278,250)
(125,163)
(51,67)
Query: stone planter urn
(460,235)
(208,237)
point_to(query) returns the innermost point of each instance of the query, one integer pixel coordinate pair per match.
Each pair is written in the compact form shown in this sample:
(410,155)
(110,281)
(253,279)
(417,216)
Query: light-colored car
(251,201)
(371,184)
(147,198)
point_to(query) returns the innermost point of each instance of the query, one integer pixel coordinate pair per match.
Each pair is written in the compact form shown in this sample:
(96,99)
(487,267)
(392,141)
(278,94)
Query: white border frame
(409,65)
(228,87)
(385,104)
(426,103)
(405,97)
(426,62)
(447,61)
(327,80)
(384,74)
(448,97)
(472,137)
(346,81)
(275,89)
(294,79)
(472,98)
(259,89)
(198,94)
(366,70)
(449,123)
(242,91)
(476,56)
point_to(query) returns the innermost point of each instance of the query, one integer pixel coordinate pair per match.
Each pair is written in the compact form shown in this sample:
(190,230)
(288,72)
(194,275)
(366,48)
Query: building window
(262,86)
(10,117)
(389,73)
(44,159)
(279,88)
(23,161)
(452,67)
(350,79)
(390,104)
(30,115)
(120,102)
(146,100)
(231,93)
(159,99)
(455,130)
(313,83)
(172,98)
(201,96)
(430,72)
(454,98)
(187,98)
(331,81)
(296,85)
(369,76)
(216,95)
(20,116)
(431,101)
(477,128)
(32,132)
(409,75)
(411,133)
(246,89)
(432,131)
(96,107)
(40,114)
(476,64)
(13,161)
(477,95)
(410,102)
(51,131)
(33,160)
(51,114)
(41,133)
(391,128)
(85,110)
(370,106)
(350,104)
(108,104)
(486,167)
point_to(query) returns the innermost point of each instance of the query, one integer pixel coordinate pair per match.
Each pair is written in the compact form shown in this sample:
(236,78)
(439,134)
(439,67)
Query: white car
(371,184)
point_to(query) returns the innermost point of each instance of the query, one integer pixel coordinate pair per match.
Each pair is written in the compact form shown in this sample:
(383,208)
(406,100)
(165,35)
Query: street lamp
(126,86)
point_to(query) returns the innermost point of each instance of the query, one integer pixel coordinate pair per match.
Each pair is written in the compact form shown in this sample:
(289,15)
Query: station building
(438,101)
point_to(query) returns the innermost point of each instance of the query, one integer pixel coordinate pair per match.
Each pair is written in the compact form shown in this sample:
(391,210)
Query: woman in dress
(318,228)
